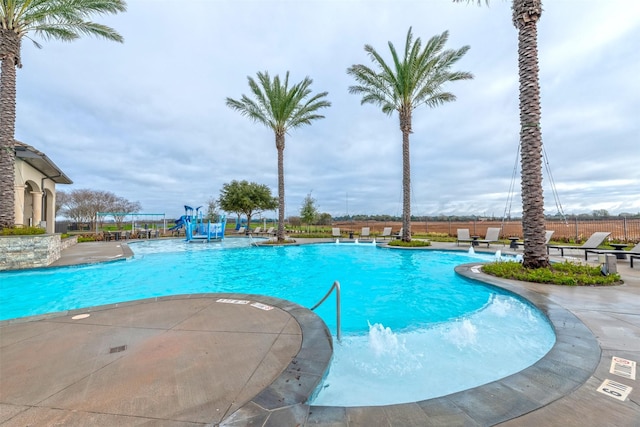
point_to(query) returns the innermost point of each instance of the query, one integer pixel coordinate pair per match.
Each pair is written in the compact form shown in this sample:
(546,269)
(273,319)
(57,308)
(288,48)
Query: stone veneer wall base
(32,251)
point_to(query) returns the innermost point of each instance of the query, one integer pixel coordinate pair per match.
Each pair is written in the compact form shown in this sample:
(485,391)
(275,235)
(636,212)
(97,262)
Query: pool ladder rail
(336,286)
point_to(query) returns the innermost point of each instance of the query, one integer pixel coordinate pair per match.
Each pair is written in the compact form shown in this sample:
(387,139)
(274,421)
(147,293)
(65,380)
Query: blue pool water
(406,315)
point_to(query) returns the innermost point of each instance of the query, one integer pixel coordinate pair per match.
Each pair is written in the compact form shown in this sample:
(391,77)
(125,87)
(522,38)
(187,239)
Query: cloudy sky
(147,119)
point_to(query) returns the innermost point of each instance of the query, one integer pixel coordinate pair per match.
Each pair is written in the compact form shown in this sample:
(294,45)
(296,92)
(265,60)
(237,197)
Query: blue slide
(180,222)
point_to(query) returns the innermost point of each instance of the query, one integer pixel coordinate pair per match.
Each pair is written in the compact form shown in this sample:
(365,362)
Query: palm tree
(63,20)
(280,108)
(417,78)
(526,14)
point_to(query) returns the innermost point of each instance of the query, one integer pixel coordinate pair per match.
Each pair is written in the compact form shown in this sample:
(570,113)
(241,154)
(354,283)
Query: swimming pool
(406,315)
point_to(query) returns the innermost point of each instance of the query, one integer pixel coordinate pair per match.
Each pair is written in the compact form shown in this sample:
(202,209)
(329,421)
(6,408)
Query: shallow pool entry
(412,328)
(384,367)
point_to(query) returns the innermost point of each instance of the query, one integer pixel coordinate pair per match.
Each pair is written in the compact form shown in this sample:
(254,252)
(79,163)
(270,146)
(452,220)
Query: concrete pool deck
(192,360)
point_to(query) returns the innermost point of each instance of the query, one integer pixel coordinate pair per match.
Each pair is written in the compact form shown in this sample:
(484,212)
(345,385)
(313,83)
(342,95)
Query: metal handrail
(253,242)
(336,286)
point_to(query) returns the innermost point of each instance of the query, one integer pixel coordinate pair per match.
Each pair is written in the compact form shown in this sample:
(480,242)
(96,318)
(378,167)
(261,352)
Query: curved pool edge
(567,365)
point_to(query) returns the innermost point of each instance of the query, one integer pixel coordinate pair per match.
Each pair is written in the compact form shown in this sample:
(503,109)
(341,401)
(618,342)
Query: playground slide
(180,222)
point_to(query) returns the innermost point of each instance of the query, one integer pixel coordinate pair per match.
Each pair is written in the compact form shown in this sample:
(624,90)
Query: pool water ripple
(435,317)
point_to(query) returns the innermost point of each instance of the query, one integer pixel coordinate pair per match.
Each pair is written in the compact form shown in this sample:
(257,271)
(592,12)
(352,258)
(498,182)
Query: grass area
(566,274)
(311,235)
(435,237)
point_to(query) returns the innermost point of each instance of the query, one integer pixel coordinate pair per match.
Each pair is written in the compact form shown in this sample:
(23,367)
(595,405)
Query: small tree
(121,208)
(83,205)
(247,198)
(308,211)
(212,210)
(325,219)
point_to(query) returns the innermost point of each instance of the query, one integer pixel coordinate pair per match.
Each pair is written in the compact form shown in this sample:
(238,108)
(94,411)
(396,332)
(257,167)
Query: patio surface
(248,360)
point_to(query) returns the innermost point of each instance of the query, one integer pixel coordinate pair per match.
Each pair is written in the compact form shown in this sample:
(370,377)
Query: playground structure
(196,229)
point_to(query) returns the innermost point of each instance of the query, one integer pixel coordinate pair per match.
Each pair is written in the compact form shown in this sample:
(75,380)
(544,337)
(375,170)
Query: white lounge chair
(463,236)
(492,236)
(592,242)
(386,232)
(364,234)
(335,232)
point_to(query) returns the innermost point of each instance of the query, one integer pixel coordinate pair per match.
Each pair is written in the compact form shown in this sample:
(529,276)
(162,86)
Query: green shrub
(312,235)
(566,274)
(411,244)
(22,231)
(88,238)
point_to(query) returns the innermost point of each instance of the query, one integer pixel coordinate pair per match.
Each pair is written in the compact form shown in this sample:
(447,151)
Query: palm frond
(64,20)
(412,80)
(279,106)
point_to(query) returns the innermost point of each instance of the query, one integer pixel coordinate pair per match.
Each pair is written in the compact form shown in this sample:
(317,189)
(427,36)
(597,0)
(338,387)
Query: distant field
(627,230)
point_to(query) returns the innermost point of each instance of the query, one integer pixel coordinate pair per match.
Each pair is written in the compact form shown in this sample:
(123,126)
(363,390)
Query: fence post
(576,222)
(624,228)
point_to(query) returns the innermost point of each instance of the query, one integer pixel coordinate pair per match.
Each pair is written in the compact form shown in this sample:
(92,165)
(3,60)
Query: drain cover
(118,349)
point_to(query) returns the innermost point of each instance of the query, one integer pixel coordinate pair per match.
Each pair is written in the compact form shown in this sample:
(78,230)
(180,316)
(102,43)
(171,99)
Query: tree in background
(63,20)
(600,213)
(325,219)
(280,108)
(416,79)
(294,221)
(308,211)
(526,14)
(83,205)
(246,198)
(212,210)
(122,207)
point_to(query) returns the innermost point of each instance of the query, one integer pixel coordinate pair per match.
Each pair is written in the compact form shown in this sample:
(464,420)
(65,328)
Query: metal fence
(576,230)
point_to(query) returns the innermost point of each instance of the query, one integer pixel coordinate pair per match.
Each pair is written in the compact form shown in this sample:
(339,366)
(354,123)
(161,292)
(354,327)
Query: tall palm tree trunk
(526,14)
(10,57)
(280,148)
(405,126)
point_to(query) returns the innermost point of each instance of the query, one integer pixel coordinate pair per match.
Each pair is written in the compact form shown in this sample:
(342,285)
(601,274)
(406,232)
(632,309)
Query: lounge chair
(335,232)
(631,258)
(492,236)
(592,242)
(258,230)
(634,252)
(240,230)
(547,238)
(463,236)
(364,234)
(386,232)
(270,231)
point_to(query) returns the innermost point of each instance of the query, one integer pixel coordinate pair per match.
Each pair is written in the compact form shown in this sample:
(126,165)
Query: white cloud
(147,119)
